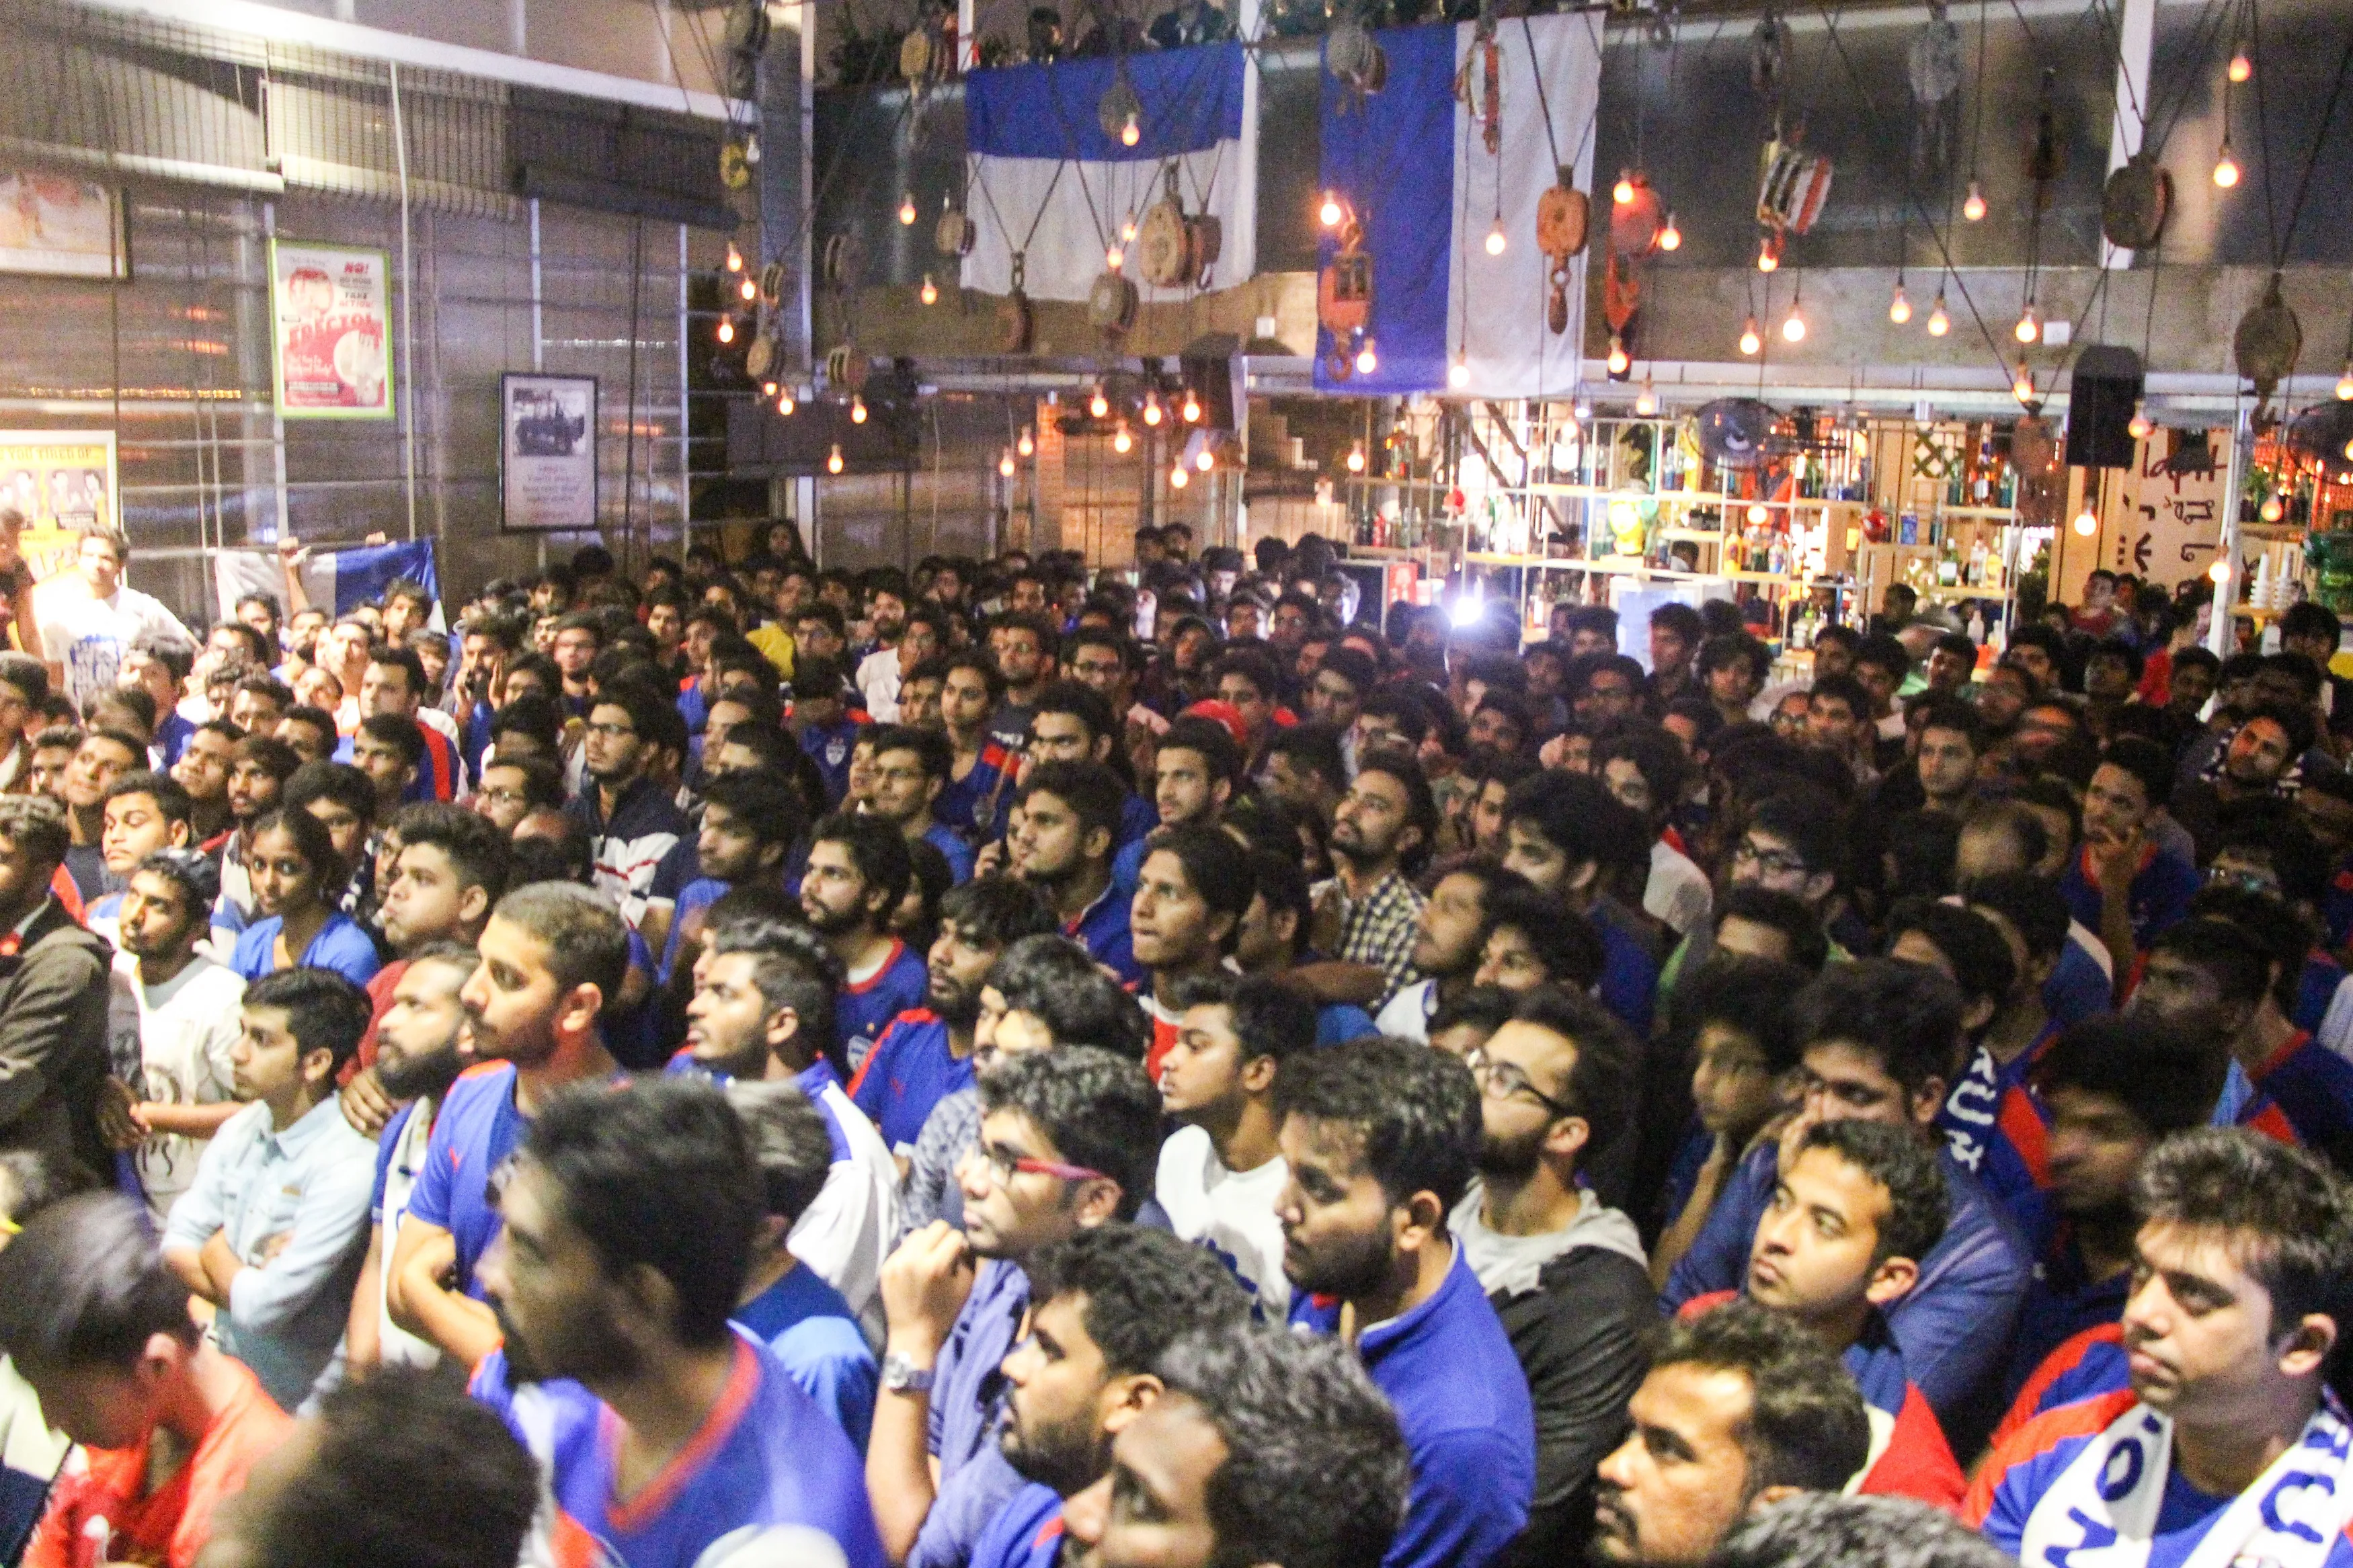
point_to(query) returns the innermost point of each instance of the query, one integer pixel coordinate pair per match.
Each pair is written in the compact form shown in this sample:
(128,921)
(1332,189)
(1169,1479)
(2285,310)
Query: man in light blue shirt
(273,1231)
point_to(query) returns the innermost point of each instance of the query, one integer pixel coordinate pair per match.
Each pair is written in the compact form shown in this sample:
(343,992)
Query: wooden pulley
(1111,303)
(1792,189)
(843,257)
(1017,324)
(1354,60)
(1557,300)
(1208,235)
(2266,343)
(759,357)
(1563,216)
(2135,202)
(916,53)
(773,278)
(955,233)
(734,166)
(846,367)
(1161,245)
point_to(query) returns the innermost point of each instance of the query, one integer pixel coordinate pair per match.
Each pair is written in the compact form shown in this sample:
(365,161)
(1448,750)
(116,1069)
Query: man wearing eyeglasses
(1881,1042)
(1068,1143)
(911,769)
(1564,1270)
(630,811)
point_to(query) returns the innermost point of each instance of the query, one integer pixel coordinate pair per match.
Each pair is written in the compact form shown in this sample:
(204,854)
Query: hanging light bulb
(929,292)
(1368,361)
(2030,325)
(1583,408)
(1622,193)
(2348,451)
(1899,309)
(1793,325)
(1120,441)
(1026,446)
(749,289)
(735,257)
(2022,388)
(1646,401)
(2226,168)
(2088,522)
(767,389)
(2241,67)
(2140,426)
(1758,512)
(1178,479)
(2219,573)
(1205,460)
(1328,214)
(785,403)
(1129,133)
(1191,412)
(2272,511)
(2345,384)
(1973,206)
(1098,405)
(1005,464)
(726,334)
(1357,459)
(833,460)
(1619,362)
(857,409)
(907,210)
(1496,240)
(1127,229)
(1115,257)
(1751,340)
(1768,256)
(1671,237)
(1152,413)
(1939,323)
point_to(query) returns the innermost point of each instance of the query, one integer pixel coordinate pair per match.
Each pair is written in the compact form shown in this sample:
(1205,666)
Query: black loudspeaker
(1212,380)
(2101,396)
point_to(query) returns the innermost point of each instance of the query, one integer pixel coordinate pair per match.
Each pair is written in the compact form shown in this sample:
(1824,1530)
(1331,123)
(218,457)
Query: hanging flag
(1413,163)
(1047,179)
(336,580)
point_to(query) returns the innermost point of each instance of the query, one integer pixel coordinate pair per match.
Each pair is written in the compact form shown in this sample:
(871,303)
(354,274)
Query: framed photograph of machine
(547,453)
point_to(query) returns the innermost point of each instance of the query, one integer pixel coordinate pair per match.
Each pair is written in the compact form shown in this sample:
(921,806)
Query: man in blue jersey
(751,821)
(763,1011)
(925,1054)
(551,956)
(2229,1446)
(1881,1039)
(1065,833)
(785,1304)
(911,768)
(857,871)
(628,1226)
(1380,1136)
(1066,1142)
(1105,1305)
(1263,1448)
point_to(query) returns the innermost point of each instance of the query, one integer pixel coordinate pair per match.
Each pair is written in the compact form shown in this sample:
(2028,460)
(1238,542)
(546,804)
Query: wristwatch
(900,1375)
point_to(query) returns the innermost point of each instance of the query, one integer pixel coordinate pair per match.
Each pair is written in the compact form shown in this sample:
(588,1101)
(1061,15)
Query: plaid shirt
(1379,928)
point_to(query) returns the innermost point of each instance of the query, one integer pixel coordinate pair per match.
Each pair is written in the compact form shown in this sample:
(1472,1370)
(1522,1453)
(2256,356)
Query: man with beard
(550,957)
(926,1052)
(1195,770)
(629,1222)
(635,821)
(1025,648)
(1563,1270)
(420,1048)
(186,1009)
(2114,1089)
(257,774)
(1221,1171)
(1741,1409)
(1380,1136)
(1068,817)
(1105,1305)
(752,823)
(1191,893)
(2124,883)
(764,997)
(2229,1445)
(1066,1141)
(857,871)
(1383,831)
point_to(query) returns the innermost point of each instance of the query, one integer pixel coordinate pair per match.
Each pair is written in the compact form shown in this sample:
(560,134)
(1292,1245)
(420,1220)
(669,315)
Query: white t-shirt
(1678,892)
(848,1230)
(187,1026)
(1407,1014)
(1231,1215)
(395,1346)
(90,636)
(878,678)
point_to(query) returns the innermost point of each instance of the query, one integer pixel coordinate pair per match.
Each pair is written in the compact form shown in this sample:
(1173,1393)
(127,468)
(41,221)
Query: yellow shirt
(777,643)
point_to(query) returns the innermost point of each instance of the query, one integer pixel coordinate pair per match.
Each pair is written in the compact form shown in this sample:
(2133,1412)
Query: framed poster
(61,225)
(330,306)
(62,481)
(547,452)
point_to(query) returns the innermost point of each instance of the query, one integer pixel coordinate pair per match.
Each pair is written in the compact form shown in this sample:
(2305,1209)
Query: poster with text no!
(329,308)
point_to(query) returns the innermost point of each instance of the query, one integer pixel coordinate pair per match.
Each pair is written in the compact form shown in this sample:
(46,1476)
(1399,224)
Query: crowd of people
(950,1068)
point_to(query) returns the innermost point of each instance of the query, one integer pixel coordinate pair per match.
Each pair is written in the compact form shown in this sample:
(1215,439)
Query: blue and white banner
(336,580)
(1045,180)
(1413,162)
